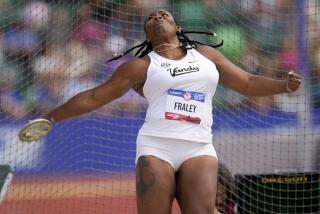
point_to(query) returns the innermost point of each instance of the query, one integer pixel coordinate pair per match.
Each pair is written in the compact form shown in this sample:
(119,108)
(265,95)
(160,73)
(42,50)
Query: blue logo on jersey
(187,95)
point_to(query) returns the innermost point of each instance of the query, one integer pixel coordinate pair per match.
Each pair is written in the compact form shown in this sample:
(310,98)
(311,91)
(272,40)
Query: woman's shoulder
(136,64)
(206,50)
(210,53)
(144,61)
(134,68)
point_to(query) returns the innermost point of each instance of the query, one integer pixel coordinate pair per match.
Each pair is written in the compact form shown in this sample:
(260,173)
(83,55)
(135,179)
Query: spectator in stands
(87,29)
(10,104)
(81,68)
(88,32)
(20,47)
(59,25)
(175,156)
(35,15)
(51,75)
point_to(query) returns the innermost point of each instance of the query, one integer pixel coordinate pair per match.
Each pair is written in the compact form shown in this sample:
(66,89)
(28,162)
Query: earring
(179,29)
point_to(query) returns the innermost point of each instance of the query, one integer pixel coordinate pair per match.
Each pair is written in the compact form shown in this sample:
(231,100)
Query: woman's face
(160,23)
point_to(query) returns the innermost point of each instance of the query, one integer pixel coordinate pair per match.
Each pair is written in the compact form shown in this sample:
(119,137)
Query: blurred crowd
(51,50)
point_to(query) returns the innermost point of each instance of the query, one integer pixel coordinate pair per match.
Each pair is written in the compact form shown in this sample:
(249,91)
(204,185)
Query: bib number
(184,106)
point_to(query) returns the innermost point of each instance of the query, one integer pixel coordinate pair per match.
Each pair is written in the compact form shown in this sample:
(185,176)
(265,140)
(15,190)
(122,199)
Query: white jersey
(179,93)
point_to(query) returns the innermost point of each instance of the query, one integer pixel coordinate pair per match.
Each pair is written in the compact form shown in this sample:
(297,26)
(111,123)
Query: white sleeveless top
(179,93)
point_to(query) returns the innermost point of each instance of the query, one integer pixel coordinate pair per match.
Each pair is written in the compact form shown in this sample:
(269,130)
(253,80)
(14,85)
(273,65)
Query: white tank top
(179,93)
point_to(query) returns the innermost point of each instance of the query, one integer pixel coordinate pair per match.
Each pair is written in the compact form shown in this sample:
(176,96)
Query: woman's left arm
(248,84)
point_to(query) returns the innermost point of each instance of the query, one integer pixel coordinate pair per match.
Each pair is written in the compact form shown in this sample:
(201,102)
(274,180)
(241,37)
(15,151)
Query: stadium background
(51,50)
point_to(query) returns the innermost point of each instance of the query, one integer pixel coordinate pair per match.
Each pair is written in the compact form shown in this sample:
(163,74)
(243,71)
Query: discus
(35,130)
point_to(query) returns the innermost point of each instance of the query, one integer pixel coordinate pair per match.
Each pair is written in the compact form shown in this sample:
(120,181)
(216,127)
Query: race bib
(184,106)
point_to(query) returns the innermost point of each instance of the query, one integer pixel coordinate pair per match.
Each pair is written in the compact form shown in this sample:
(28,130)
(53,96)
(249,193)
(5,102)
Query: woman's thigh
(197,184)
(155,185)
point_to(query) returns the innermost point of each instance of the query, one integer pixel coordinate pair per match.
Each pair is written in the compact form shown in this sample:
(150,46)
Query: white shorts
(173,151)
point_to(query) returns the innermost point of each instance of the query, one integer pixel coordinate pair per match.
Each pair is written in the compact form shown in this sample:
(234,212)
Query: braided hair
(185,44)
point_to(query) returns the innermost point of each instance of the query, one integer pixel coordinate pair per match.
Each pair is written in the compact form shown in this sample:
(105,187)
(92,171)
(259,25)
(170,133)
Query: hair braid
(148,49)
(185,44)
(206,33)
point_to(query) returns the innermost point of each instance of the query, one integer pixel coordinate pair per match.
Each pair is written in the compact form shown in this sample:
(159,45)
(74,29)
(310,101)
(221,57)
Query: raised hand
(293,81)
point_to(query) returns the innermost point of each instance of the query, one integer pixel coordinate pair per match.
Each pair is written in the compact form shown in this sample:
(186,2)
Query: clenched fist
(293,81)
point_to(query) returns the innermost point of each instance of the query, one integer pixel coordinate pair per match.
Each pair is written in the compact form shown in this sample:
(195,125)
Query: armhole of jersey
(148,72)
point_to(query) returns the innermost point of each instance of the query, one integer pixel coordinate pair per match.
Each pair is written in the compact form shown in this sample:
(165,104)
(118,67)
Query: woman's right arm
(129,75)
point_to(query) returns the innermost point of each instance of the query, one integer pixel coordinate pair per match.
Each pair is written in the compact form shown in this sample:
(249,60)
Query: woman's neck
(170,51)
(165,47)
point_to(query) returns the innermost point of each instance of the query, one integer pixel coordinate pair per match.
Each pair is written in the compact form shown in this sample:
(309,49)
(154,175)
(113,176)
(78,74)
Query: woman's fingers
(293,82)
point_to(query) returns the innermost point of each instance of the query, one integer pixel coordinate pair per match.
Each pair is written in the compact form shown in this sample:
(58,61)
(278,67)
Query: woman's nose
(158,16)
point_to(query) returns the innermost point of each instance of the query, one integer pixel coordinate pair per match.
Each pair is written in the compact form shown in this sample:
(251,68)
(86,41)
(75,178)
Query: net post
(304,96)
